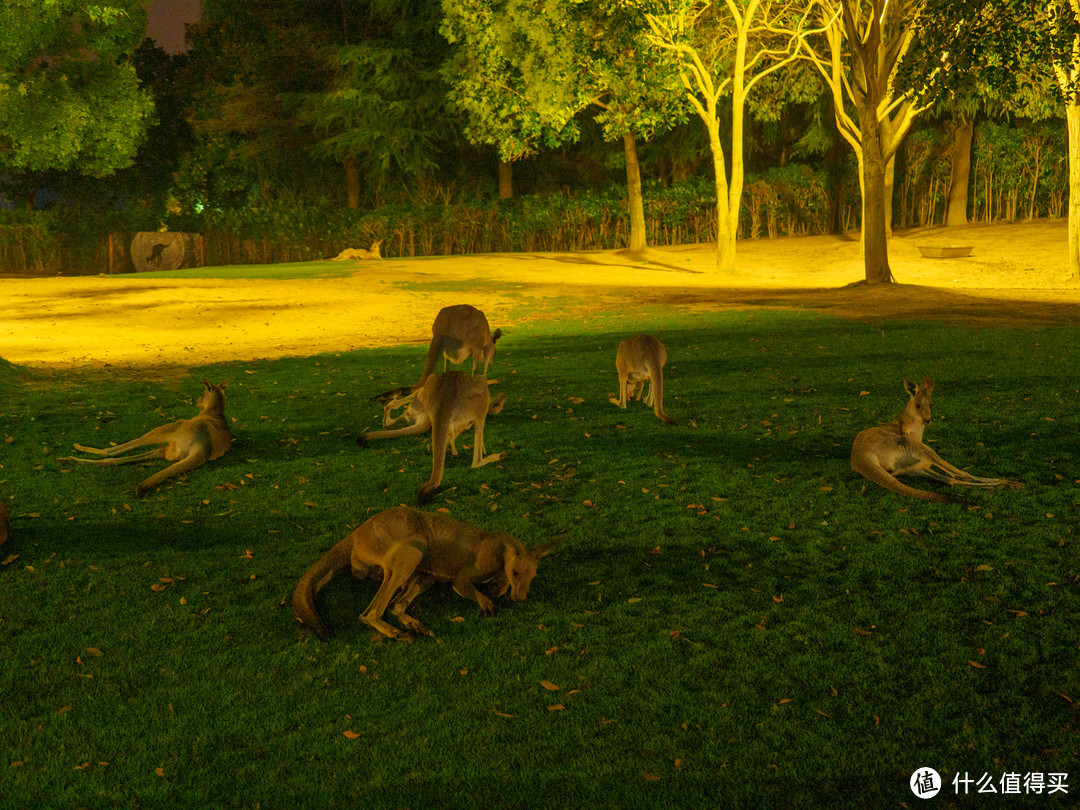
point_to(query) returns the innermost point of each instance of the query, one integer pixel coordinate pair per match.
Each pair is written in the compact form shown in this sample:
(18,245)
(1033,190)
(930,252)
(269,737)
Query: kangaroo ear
(206,383)
(225,383)
(927,385)
(910,387)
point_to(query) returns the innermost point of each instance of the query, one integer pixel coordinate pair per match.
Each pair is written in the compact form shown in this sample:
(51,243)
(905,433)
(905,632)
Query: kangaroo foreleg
(108,461)
(195,458)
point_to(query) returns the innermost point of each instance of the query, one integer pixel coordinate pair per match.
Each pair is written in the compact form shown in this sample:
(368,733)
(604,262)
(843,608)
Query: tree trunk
(875,238)
(890,180)
(633,188)
(963,130)
(725,233)
(506,180)
(1072,115)
(352,182)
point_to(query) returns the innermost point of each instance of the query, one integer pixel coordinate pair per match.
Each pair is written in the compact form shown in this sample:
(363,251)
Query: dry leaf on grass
(549,686)
(555,707)
(350,734)
(502,714)
(650,777)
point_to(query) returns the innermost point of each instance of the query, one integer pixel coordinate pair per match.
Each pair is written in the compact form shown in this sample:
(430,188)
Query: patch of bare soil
(1016,274)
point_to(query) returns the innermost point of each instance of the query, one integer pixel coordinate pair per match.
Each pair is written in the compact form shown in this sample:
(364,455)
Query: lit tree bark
(1072,115)
(963,131)
(633,189)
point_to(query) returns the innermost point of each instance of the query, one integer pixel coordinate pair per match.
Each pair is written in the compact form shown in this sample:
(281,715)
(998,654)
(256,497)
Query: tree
(864,42)
(69,96)
(1013,46)
(522,71)
(728,48)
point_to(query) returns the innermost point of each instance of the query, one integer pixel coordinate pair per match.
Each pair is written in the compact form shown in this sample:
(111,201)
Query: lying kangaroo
(448,404)
(642,358)
(188,443)
(413,549)
(355,254)
(896,448)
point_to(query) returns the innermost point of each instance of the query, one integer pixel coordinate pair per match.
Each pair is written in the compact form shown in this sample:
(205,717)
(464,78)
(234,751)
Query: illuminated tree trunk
(633,190)
(872,169)
(1072,115)
(963,131)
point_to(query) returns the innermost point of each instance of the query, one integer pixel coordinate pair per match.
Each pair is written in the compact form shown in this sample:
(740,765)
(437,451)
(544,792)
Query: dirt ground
(1016,273)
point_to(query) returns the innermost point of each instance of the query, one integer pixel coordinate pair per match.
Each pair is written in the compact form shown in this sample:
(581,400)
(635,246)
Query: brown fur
(188,443)
(414,549)
(447,404)
(642,358)
(896,448)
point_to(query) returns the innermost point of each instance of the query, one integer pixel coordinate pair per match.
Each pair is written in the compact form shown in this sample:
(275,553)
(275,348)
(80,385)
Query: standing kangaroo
(414,549)
(896,448)
(188,443)
(448,404)
(460,331)
(642,358)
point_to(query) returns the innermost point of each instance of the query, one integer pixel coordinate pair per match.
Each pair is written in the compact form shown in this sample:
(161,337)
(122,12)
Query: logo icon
(925,783)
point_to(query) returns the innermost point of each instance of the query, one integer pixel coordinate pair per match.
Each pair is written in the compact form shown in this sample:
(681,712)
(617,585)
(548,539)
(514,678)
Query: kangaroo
(414,549)
(459,332)
(188,443)
(448,404)
(896,448)
(356,254)
(3,523)
(642,358)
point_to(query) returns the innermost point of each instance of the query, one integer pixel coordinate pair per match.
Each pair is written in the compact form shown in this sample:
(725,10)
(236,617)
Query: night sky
(165,22)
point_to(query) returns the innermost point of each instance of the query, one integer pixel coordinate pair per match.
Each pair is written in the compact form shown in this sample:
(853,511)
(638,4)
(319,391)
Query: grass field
(733,618)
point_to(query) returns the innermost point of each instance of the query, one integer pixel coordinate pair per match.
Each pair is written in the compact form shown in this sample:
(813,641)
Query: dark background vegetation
(243,149)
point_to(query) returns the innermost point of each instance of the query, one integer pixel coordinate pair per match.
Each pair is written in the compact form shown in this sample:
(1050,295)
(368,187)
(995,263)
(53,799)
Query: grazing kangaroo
(459,332)
(188,443)
(448,404)
(3,523)
(355,254)
(414,549)
(896,448)
(642,358)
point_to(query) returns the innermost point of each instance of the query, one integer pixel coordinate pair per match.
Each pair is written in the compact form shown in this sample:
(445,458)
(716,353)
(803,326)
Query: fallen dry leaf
(649,777)
(10,559)
(94,651)
(555,707)
(502,714)
(549,686)
(350,734)
(458,619)
(678,764)
(157,586)
(159,771)
(977,665)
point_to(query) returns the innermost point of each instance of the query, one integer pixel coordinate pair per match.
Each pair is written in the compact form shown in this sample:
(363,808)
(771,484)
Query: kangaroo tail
(876,473)
(332,562)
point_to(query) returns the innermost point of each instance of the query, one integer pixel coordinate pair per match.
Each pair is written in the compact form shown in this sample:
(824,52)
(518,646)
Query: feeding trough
(945,251)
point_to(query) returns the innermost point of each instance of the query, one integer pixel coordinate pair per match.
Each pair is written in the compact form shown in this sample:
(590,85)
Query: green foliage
(733,618)
(521,71)
(69,96)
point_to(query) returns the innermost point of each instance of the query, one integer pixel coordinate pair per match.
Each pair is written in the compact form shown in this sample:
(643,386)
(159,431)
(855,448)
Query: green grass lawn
(733,618)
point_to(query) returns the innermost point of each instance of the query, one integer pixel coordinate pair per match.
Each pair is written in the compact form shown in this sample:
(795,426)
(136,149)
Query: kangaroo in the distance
(448,404)
(188,443)
(896,448)
(642,358)
(414,549)
(357,254)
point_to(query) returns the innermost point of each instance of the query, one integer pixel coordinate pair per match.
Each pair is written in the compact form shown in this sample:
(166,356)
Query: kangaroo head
(922,401)
(213,396)
(489,350)
(519,566)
